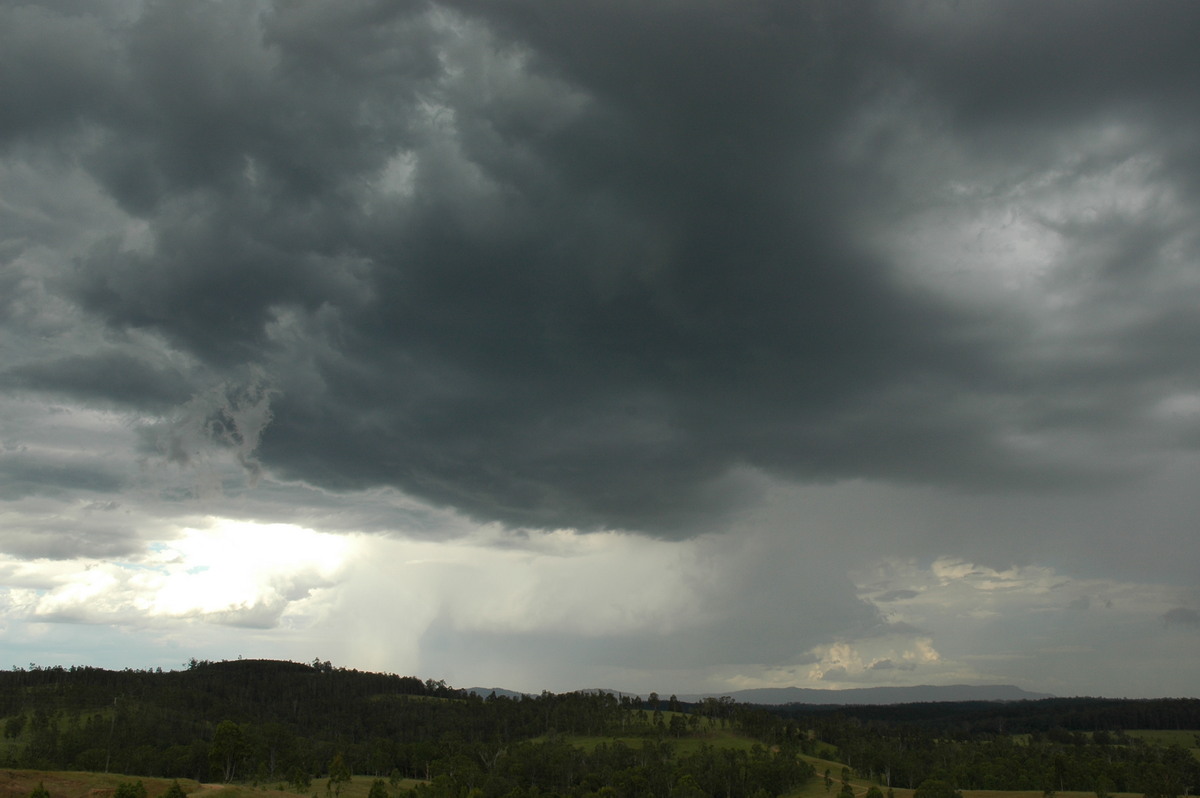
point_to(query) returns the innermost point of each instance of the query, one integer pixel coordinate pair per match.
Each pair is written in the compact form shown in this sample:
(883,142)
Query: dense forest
(285,723)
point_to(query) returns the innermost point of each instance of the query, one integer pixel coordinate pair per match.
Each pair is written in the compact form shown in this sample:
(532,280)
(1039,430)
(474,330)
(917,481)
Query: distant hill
(774,696)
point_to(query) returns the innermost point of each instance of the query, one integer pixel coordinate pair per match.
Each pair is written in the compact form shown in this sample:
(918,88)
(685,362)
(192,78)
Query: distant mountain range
(772,696)
(879,695)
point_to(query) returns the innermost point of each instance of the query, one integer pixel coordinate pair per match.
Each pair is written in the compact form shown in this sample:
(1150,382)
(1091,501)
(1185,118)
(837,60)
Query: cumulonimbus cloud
(480,259)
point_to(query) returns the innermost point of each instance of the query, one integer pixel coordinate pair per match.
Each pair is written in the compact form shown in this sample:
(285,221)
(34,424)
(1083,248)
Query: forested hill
(247,690)
(162,723)
(274,722)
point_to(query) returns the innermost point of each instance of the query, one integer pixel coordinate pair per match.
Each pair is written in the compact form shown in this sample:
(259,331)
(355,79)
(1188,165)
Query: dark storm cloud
(53,66)
(1004,65)
(579,264)
(112,375)
(28,474)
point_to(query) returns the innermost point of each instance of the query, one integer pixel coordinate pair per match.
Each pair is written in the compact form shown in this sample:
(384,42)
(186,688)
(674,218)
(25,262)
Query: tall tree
(339,774)
(227,748)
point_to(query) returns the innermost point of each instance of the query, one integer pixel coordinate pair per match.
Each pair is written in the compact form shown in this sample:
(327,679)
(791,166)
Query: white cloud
(845,664)
(231,572)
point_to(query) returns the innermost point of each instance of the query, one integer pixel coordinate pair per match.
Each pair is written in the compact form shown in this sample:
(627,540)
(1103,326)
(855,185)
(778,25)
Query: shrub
(936,788)
(130,790)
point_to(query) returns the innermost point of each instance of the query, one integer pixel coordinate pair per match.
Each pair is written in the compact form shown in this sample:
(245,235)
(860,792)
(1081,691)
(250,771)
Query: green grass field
(1185,738)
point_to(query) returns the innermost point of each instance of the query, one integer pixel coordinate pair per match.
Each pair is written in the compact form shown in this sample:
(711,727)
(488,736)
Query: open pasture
(1184,738)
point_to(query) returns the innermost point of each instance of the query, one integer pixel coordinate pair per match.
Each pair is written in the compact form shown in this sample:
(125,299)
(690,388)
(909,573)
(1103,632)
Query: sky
(676,346)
